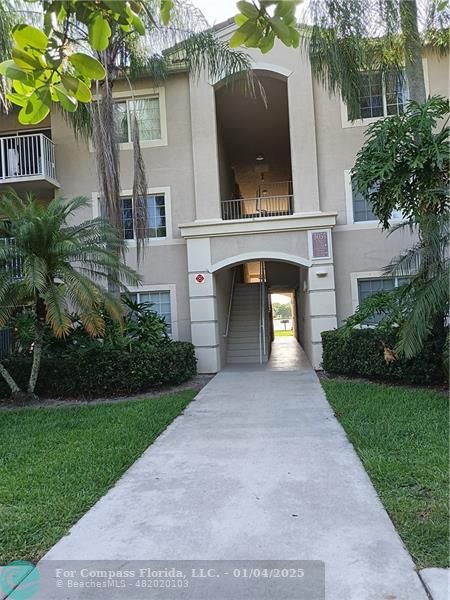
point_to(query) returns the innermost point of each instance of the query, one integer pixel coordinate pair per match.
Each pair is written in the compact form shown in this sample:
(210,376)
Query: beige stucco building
(246,196)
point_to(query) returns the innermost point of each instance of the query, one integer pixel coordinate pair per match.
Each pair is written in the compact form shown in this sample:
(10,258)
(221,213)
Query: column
(203,306)
(322,307)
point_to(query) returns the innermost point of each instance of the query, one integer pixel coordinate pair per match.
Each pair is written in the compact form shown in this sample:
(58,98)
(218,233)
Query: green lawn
(55,463)
(402,437)
(282,333)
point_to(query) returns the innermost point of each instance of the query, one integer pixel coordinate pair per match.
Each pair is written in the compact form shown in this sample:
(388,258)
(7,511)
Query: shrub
(101,370)
(360,352)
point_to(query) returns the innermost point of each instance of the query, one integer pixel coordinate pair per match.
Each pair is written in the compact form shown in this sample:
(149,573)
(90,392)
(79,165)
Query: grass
(402,438)
(55,463)
(282,333)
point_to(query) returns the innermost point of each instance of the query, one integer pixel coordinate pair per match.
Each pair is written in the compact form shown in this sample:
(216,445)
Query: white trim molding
(295,222)
(252,256)
(168,238)
(162,287)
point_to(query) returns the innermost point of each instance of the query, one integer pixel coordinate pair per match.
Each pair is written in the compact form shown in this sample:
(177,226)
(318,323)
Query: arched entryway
(244,286)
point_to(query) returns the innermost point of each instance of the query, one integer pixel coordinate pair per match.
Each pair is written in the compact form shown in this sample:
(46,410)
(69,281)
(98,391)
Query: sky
(217,11)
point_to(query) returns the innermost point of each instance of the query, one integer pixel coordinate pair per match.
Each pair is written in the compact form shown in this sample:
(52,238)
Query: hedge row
(97,372)
(360,352)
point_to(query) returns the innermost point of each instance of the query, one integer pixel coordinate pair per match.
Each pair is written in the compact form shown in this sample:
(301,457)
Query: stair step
(244,359)
(244,344)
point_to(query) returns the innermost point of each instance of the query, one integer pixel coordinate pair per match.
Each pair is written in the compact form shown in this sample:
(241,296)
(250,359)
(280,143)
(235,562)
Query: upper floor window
(156,217)
(361,208)
(148,115)
(381,95)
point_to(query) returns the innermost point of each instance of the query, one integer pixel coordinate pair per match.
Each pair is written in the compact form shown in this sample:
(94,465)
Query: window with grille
(148,116)
(156,217)
(160,303)
(381,95)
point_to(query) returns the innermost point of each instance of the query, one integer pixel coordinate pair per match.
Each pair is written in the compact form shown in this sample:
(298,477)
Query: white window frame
(310,245)
(158,92)
(371,224)
(162,287)
(168,238)
(361,275)
(346,123)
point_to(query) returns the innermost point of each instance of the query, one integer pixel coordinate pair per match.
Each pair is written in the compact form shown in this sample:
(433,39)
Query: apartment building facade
(246,196)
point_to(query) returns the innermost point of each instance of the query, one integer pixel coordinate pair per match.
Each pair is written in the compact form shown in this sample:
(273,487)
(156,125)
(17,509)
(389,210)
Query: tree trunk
(37,353)
(413,50)
(15,389)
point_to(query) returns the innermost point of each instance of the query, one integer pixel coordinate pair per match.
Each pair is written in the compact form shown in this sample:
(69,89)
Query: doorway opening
(283,313)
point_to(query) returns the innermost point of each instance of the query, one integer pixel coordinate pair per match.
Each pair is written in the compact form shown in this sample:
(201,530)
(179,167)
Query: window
(160,303)
(156,217)
(367,287)
(362,211)
(381,95)
(147,111)
(361,207)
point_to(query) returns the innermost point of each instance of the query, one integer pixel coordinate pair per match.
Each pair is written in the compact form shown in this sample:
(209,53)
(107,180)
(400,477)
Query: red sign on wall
(199,278)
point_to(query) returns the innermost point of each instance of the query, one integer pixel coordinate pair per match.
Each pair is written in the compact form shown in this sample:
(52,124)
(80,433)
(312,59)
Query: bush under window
(361,352)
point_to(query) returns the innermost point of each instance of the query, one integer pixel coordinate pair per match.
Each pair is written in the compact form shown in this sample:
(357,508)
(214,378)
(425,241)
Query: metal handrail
(258,207)
(24,156)
(230,304)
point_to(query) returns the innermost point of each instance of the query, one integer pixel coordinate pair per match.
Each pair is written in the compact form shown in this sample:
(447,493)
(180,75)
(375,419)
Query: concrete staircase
(243,338)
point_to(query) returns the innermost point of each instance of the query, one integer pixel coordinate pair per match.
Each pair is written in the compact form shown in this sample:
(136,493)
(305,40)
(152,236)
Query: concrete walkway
(256,468)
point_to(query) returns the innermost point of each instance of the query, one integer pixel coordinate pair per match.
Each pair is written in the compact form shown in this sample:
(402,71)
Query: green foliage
(55,268)
(418,308)
(81,41)
(42,72)
(402,437)
(361,352)
(100,370)
(47,248)
(281,311)
(260,23)
(385,305)
(405,162)
(44,69)
(58,462)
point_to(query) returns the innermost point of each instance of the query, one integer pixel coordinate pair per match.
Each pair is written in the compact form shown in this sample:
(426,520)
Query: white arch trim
(263,66)
(257,66)
(251,256)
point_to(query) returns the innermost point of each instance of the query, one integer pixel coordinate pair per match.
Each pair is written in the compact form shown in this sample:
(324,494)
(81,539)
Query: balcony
(257,208)
(273,200)
(26,159)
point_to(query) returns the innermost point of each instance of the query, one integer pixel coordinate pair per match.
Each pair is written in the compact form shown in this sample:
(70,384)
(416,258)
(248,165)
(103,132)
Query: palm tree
(425,296)
(57,269)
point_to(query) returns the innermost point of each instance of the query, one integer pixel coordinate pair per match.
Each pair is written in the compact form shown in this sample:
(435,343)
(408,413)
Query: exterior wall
(337,147)
(191,167)
(169,166)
